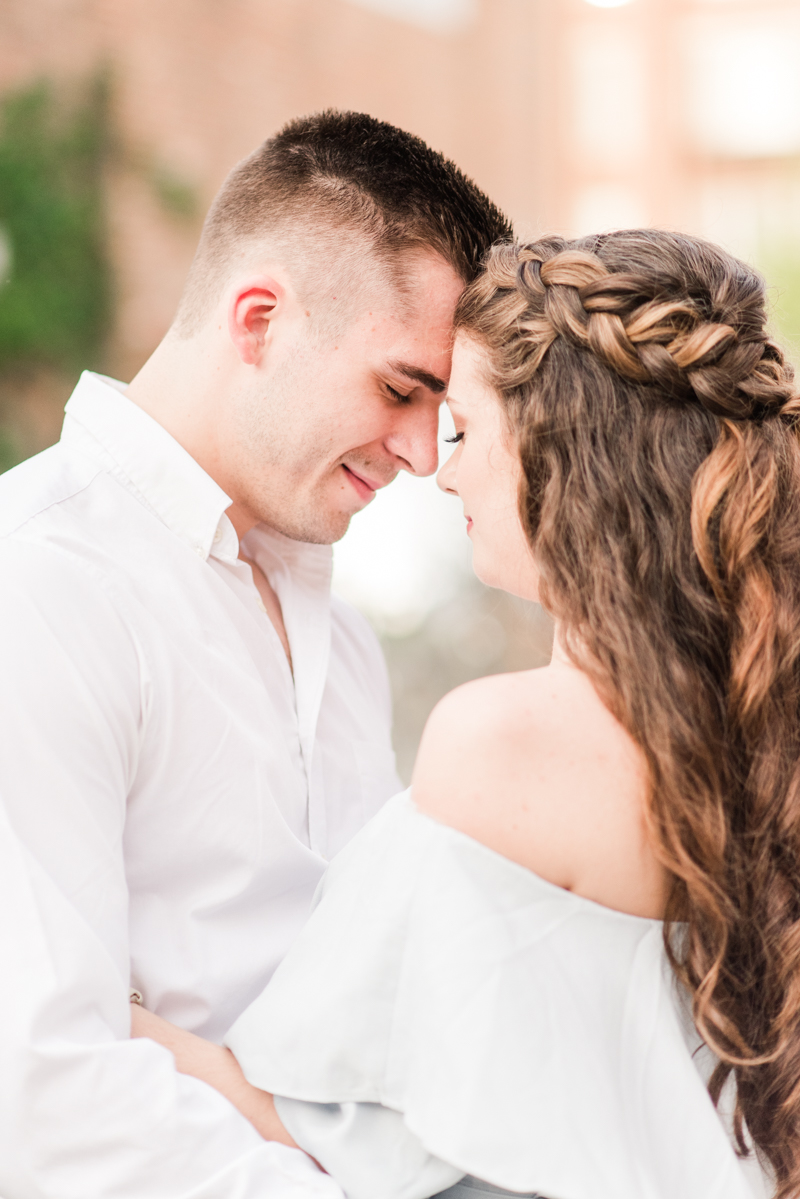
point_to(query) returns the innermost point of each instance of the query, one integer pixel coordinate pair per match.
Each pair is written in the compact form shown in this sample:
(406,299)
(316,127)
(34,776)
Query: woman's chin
(505,577)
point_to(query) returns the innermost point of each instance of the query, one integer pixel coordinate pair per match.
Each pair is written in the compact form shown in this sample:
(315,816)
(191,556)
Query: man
(192,727)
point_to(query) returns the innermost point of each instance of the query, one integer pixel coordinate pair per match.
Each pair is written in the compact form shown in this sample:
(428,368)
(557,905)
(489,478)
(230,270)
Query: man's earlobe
(253,305)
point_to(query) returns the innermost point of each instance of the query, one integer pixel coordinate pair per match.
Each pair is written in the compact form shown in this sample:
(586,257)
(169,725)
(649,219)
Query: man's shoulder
(47,548)
(34,487)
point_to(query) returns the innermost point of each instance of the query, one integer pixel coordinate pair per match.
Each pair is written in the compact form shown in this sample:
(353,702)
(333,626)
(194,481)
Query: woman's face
(485,473)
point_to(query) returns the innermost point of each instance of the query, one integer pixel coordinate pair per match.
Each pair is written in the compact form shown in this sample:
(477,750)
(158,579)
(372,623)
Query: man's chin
(315,529)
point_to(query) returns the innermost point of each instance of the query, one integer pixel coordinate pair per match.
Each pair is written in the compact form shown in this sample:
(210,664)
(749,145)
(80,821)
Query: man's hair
(331,186)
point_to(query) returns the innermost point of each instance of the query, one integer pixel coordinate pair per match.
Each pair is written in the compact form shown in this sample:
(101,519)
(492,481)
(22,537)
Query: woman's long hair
(658,430)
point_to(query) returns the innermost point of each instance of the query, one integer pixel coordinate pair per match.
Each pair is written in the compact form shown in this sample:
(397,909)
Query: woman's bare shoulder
(534,765)
(483,733)
(473,717)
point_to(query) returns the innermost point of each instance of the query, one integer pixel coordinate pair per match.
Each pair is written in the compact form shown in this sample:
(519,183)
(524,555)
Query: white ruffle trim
(522,1034)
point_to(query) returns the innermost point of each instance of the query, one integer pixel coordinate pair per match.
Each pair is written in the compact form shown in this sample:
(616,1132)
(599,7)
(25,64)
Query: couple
(541,969)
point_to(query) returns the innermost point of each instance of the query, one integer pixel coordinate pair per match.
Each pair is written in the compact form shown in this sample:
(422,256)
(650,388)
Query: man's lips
(364,486)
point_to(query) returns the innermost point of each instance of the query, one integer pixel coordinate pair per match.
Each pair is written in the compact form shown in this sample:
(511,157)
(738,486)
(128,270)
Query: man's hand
(215,1065)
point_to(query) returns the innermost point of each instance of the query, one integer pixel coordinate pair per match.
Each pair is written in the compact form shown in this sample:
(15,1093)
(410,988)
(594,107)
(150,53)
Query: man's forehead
(390,345)
(424,290)
(413,341)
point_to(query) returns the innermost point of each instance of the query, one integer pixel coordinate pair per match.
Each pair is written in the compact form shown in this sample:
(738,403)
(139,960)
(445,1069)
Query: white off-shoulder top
(446,1012)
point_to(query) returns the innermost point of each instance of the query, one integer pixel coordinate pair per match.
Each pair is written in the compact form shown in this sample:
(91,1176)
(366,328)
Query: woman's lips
(364,488)
(469,523)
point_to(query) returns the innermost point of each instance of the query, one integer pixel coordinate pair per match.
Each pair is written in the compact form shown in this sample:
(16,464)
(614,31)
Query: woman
(594,894)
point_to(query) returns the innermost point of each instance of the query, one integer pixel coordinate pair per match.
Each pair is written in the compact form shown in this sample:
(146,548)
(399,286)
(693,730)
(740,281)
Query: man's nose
(446,478)
(415,440)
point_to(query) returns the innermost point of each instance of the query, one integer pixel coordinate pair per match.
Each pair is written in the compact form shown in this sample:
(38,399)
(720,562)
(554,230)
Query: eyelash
(454,440)
(396,395)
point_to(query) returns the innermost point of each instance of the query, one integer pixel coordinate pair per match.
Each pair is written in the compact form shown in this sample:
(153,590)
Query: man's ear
(252,306)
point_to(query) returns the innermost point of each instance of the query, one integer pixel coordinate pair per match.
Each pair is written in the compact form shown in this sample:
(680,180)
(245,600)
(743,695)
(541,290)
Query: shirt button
(217,536)
(198,549)
(261,605)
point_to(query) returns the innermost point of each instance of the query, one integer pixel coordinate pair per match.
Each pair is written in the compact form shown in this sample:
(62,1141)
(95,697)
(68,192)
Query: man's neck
(172,388)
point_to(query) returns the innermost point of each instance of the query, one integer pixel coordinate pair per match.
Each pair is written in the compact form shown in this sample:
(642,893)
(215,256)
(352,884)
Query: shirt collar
(308,564)
(164,474)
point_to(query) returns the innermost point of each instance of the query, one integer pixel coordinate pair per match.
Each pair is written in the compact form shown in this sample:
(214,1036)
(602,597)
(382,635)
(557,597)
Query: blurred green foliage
(55,293)
(177,197)
(782,272)
(9,453)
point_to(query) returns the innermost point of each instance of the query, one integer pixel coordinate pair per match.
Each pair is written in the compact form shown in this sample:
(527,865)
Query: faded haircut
(346,200)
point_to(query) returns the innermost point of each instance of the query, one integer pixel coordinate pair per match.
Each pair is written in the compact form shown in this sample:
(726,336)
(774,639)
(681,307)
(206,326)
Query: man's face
(322,424)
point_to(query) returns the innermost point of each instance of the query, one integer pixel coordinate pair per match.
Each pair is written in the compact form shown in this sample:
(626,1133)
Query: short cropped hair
(325,185)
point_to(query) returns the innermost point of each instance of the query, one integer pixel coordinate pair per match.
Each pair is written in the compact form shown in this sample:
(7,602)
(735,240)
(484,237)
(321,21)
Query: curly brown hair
(658,430)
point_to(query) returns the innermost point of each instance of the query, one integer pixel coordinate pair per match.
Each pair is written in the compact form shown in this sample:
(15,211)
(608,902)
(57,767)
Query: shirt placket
(306,611)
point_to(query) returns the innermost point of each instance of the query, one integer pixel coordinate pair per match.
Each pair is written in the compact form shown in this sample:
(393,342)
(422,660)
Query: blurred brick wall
(198,83)
(559,110)
(551,105)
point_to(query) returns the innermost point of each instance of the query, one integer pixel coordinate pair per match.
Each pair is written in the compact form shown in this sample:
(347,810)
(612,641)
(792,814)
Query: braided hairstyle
(658,430)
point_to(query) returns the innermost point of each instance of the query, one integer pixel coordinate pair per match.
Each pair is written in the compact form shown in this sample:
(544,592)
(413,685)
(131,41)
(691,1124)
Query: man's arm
(217,1066)
(84,1110)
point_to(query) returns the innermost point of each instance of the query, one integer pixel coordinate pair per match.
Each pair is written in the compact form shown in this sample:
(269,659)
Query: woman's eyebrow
(419,375)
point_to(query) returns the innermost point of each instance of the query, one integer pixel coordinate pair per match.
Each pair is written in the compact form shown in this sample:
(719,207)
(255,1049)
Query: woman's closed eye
(454,439)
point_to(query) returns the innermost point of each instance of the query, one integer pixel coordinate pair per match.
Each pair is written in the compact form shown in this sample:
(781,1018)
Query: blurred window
(743,95)
(603,206)
(608,86)
(440,15)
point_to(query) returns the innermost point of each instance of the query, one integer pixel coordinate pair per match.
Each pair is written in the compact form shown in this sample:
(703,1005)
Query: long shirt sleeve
(84,1111)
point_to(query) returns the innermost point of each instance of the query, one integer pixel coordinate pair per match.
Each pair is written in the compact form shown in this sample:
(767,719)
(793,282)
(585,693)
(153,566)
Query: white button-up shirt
(171,795)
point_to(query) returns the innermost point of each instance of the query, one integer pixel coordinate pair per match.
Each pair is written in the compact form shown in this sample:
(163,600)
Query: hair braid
(658,430)
(626,321)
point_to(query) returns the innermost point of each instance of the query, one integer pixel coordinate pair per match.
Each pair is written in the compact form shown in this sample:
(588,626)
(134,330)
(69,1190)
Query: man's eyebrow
(432,382)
